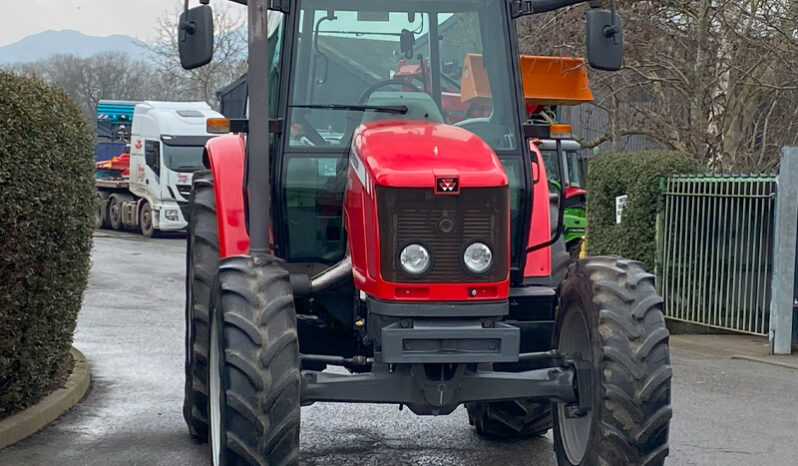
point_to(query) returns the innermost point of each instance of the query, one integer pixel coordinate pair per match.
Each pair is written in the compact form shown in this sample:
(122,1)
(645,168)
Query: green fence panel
(715,250)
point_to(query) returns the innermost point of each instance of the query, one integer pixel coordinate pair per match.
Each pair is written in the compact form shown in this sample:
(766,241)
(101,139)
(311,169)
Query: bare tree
(715,78)
(229,59)
(107,75)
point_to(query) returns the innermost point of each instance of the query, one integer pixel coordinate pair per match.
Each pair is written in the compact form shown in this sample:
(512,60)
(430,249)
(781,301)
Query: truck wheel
(515,418)
(115,212)
(254,373)
(202,257)
(610,313)
(145,220)
(100,210)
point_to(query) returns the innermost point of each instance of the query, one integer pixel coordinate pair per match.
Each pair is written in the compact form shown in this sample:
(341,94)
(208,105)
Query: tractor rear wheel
(202,257)
(610,314)
(514,418)
(254,376)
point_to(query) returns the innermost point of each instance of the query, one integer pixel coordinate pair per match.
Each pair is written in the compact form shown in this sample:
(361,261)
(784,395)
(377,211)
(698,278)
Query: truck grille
(445,225)
(184,190)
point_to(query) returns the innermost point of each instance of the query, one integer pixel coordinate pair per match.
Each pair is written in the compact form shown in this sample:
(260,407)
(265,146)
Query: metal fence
(715,244)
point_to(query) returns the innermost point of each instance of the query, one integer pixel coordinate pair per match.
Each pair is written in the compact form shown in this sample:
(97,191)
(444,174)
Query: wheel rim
(215,402)
(575,338)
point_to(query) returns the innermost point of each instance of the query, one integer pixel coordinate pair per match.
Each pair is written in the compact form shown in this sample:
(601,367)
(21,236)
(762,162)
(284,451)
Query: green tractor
(574,173)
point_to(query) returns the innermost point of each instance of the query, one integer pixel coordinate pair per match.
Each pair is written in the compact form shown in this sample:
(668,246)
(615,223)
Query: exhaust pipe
(302,285)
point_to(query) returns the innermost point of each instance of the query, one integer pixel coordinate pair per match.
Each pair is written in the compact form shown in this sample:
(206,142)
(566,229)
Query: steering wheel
(388,82)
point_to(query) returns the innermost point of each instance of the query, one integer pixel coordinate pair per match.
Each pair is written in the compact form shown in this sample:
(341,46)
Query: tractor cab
(384,209)
(390,61)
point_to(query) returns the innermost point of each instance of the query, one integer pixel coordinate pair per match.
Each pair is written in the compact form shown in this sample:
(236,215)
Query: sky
(136,18)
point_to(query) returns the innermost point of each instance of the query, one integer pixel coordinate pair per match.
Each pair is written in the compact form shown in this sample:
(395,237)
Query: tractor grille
(445,225)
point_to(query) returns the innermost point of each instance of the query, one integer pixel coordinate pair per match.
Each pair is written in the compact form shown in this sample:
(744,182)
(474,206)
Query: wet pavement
(726,412)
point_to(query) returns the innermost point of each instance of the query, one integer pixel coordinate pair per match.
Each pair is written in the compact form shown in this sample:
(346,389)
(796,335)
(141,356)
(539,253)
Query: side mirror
(406,42)
(604,40)
(195,37)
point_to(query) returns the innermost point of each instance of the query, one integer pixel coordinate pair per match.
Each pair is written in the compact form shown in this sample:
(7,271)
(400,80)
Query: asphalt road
(726,412)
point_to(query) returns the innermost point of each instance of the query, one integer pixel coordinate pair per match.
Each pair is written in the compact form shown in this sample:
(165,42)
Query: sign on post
(620,203)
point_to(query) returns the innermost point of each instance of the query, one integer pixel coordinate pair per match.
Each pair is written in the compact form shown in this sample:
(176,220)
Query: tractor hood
(414,154)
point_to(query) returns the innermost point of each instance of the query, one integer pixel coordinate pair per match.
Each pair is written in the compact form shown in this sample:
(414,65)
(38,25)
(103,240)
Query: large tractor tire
(515,418)
(202,257)
(254,375)
(610,314)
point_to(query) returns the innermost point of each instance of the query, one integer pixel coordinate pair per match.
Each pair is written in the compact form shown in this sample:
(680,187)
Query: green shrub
(46,188)
(635,174)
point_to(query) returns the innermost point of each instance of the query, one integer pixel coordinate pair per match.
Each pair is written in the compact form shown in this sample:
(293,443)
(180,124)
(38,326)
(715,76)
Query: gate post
(784,253)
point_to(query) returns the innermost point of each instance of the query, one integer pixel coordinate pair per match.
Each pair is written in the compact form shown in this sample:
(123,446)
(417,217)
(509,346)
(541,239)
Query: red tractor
(351,222)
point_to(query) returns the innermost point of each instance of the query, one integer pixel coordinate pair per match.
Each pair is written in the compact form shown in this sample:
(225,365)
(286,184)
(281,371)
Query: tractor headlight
(478,257)
(415,259)
(170,215)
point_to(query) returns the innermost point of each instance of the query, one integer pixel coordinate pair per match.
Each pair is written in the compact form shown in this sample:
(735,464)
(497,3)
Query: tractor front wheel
(610,316)
(254,376)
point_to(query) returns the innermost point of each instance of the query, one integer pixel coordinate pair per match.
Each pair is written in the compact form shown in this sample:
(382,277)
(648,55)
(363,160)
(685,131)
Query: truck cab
(166,148)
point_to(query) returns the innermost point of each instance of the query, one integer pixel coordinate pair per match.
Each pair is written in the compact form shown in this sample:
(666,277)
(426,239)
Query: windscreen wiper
(396,109)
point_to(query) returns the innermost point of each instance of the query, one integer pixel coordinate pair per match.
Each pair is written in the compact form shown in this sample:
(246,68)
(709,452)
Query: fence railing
(715,245)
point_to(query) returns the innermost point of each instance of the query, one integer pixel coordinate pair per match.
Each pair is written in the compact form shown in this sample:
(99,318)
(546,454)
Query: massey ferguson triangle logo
(448,186)
(138,144)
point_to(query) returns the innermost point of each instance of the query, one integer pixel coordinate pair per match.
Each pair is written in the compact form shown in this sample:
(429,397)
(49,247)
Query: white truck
(149,191)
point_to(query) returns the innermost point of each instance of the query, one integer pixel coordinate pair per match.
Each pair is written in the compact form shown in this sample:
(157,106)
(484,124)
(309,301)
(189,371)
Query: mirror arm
(613,28)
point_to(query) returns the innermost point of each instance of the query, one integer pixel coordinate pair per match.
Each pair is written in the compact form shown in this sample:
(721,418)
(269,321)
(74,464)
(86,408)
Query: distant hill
(44,44)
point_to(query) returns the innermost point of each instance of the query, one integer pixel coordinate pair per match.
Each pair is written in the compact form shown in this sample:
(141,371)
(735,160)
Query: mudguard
(225,157)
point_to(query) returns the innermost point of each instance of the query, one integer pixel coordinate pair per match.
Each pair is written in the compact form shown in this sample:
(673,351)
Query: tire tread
(634,367)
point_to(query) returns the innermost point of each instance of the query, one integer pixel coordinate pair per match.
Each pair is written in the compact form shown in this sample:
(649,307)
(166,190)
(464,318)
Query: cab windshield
(574,163)
(184,159)
(396,59)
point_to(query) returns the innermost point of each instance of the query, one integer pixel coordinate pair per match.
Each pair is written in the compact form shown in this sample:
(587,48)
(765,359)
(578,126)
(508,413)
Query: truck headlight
(478,257)
(170,215)
(415,259)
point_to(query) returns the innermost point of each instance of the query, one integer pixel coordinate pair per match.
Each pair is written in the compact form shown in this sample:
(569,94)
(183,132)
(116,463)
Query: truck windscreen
(183,158)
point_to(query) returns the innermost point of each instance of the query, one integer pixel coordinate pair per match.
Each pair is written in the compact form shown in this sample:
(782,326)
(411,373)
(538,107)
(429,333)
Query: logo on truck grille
(447,186)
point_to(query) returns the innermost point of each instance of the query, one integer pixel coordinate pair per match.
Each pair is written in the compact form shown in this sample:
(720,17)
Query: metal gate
(715,243)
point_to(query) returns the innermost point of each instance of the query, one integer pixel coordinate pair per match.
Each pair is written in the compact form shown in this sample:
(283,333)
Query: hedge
(46,220)
(635,174)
